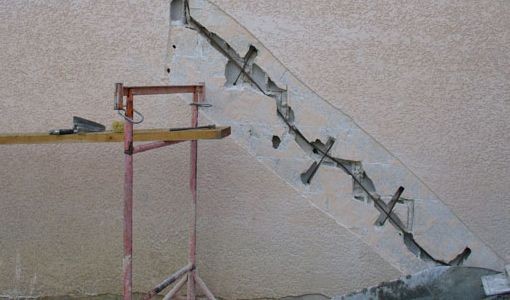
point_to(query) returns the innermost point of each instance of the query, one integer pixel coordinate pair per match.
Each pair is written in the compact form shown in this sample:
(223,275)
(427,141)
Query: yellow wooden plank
(109,136)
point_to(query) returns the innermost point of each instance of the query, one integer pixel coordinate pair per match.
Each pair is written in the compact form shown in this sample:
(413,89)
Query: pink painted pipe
(127,266)
(191,294)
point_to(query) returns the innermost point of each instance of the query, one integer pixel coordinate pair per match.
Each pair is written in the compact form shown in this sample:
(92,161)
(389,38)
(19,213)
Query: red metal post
(127,266)
(191,293)
(192,278)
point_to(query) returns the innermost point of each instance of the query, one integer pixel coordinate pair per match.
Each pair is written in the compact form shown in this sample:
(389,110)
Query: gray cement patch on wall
(317,118)
(427,81)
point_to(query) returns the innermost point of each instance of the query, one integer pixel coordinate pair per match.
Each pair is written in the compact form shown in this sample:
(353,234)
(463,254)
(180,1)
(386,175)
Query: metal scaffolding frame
(124,104)
(192,279)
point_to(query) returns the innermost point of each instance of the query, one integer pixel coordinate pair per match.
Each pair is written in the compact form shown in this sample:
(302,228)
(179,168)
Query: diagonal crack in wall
(363,187)
(242,70)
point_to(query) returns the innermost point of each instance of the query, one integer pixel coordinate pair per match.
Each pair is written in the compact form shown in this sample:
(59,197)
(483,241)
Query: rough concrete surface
(428,80)
(431,236)
(452,283)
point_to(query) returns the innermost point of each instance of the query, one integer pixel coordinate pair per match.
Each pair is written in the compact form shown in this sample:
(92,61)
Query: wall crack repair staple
(244,69)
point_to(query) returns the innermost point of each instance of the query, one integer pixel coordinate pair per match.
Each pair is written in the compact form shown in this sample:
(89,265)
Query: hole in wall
(177,16)
(276,141)
(173,46)
(168,70)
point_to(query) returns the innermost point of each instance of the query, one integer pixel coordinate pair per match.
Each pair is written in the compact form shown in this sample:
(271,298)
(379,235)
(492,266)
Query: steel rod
(154,145)
(128,202)
(204,287)
(168,281)
(177,287)
(191,294)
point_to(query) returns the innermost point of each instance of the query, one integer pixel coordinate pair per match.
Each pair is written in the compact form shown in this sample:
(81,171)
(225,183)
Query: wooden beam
(160,90)
(142,135)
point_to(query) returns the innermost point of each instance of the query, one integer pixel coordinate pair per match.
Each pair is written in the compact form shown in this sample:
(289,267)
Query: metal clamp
(132,121)
(201,104)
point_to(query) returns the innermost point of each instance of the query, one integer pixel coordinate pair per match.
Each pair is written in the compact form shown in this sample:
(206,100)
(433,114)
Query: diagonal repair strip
(244,69)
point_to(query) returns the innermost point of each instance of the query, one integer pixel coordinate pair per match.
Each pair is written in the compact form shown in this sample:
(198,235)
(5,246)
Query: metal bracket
(384,216)
(132,121)
(130,149)
(201,104)
(307,176)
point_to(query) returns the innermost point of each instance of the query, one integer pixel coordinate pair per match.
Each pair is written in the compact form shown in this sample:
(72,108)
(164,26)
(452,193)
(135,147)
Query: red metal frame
(189,270)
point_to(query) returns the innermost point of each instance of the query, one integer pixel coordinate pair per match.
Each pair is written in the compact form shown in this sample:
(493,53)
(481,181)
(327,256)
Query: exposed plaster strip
(363,186)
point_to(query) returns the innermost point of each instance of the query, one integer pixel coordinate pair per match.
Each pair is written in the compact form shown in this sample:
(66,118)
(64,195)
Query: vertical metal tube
(193,187)
(118,98)
(128,201)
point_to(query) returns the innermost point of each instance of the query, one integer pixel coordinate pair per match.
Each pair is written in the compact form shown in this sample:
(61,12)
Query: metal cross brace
(247,58)
(307,176)
(388,209)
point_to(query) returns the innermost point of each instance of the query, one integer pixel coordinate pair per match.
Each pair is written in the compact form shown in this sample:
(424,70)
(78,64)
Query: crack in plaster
(244,70)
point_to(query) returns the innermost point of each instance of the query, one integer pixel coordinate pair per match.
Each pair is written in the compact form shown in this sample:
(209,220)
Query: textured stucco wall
(429,81)
(61,205)
(60,209)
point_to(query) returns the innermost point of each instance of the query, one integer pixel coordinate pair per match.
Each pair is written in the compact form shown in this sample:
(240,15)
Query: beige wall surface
(399,71)
(61,205)
(430,81)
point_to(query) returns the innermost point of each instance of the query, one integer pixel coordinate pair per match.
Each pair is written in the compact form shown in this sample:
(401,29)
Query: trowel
(80,125)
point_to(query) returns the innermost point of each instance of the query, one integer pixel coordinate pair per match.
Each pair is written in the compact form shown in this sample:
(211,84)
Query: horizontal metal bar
(176,288)
(169,280)
(192,128)
(153,145)
(158,90)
